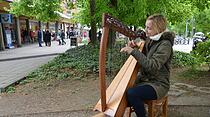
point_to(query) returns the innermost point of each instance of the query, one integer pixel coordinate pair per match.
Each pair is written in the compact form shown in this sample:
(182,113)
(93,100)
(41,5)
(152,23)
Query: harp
(113,100)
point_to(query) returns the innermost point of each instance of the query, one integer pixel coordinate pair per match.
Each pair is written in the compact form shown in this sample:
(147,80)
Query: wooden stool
(155,107)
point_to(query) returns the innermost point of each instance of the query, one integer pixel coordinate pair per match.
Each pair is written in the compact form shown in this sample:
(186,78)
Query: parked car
(198,38)
(199,35)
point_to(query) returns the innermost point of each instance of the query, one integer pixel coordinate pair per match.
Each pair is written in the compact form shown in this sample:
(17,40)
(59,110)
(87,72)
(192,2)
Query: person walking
(32,36)
(26,36)
(39,37)
(44,37)
(153,79)
(71,33)
(67,33)
(99,35)
(62,37)
(48,38)
(59,37)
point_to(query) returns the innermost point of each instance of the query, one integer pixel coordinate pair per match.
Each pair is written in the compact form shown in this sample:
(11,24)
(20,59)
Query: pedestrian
(99,35)
(71,33)
(59,36)
(39,37)
(67,33)
(153,79)
(62,37)
(31,35)
(73,39)
(26,36)
(44,37)
(48,38)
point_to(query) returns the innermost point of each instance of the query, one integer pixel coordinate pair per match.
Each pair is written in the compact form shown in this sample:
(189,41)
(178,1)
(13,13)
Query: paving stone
(203,89)
(173,87)
(16,63)
(176,92)
(183,85)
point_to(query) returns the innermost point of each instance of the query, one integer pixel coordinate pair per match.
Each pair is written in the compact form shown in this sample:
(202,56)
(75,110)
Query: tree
(92,21)
(202,21)
(134,12)
(43,10)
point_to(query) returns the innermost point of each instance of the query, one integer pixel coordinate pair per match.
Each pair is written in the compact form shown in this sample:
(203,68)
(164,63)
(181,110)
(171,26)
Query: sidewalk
(16,63)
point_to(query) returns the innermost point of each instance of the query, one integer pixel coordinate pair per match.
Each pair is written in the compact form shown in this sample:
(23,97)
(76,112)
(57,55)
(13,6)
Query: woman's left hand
(127,49)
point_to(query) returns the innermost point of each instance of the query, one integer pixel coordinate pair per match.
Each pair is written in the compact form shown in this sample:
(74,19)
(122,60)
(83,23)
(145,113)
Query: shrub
(181,59)
(79,61)
(202,52)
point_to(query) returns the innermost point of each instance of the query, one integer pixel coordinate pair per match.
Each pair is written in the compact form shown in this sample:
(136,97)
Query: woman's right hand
(131,44)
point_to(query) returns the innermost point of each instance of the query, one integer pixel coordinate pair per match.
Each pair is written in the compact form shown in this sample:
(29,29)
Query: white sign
(9,39)
(6,18)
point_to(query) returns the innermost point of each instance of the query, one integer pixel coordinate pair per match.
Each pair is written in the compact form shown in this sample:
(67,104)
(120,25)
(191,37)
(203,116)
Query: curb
(28,57)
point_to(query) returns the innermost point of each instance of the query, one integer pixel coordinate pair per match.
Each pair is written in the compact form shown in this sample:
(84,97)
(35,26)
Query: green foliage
(76,63)
(199,18)
(84,16)
(43,10)
(181,59)
(70,5)
(202,20)
(193,74)
(10,89)
(134,12)
(179,28)
(201,4)
(84,6)
(178,11)
(202,51)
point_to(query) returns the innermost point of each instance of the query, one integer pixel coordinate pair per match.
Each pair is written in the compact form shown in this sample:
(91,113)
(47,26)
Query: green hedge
(181,59)
(80,61)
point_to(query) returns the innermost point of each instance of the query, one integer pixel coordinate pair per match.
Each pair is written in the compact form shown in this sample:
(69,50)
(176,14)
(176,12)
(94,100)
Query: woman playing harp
(155,59)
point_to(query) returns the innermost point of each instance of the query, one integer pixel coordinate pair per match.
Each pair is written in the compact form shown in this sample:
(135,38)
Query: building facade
(15,31)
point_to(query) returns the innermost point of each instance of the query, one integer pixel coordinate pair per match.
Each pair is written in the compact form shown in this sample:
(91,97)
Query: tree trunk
(93,22)
(114,3)
(112,33)
(47,25)
(27,26)
(112,38)
(56,28)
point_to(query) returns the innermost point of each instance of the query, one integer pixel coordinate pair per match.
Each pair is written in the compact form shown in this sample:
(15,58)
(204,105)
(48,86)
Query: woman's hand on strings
(131,44)
(128,49)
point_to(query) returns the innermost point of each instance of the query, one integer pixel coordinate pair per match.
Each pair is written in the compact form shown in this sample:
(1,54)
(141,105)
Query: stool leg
(151,108)
(128,112)
(165,108)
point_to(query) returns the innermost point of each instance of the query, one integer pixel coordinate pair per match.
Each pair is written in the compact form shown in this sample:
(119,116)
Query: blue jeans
(40,42)
(136,96)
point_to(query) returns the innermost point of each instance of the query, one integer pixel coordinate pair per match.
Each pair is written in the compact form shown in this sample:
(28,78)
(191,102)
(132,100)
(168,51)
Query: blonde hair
(159,22)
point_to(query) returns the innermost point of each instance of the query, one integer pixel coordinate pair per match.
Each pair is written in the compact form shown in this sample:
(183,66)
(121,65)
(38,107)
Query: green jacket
(154,61)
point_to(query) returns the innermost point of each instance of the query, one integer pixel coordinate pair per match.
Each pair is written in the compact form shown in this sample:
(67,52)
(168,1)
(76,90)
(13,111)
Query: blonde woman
(155,59)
